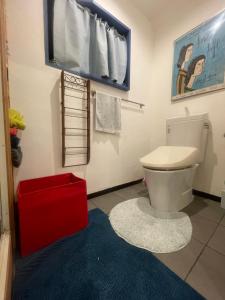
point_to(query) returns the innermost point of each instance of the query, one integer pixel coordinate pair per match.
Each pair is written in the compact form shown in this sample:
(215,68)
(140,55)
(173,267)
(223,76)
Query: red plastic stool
(50,208)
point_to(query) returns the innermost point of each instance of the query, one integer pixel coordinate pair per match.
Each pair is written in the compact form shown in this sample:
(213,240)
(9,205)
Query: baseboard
(113,189)
(122,186)
(206,195)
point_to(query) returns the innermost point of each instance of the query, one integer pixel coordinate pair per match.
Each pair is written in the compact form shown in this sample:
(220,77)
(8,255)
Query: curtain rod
(124,100)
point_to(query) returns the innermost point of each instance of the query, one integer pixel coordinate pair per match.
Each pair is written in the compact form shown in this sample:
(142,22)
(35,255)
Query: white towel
(107,113)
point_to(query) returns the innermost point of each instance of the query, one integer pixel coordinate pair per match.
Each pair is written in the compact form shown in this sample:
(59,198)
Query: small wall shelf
(104,15)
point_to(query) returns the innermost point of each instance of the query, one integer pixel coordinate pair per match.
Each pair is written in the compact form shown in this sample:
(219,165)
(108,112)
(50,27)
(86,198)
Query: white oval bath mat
(134,221)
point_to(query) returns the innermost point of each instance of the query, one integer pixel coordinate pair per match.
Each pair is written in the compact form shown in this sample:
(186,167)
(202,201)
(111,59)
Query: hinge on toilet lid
(206,125)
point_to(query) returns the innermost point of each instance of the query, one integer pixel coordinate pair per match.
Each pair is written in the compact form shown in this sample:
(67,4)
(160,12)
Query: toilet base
(170,191)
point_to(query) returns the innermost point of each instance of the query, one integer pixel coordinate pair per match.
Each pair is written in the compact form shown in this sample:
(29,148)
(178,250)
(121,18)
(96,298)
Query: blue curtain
(99,48)
(71,35)
(84,43)
(117,48)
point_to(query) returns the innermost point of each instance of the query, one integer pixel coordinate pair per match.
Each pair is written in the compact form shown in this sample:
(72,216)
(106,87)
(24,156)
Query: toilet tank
(191,131)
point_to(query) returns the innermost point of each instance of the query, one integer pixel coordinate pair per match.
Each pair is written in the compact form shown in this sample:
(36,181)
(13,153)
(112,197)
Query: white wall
(211,175)
(34,92)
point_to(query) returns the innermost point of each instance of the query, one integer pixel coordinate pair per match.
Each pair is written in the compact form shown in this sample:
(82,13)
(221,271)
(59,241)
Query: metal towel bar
(124,100)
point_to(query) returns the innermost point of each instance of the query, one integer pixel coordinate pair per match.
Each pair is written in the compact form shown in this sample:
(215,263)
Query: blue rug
(96,264)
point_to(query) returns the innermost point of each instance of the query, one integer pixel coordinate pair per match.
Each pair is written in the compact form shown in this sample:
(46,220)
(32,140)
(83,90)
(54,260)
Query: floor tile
(143,193)
(91,205)
(127,193)
(223,221)
(211,202)
(202,228)
(205,208)
(107,202)
(140,188)
(208,275)
(181,262)
(217,242)
(133,191)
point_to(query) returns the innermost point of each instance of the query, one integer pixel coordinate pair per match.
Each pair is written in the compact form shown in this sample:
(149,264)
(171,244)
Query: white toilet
(169,170)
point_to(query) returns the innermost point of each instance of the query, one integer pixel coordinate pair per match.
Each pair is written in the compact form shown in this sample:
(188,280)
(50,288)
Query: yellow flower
(16,119)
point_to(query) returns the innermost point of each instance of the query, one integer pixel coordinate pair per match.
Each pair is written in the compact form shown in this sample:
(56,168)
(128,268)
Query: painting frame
(180,84)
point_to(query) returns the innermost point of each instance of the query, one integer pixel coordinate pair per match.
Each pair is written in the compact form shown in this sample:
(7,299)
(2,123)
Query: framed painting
(199,59)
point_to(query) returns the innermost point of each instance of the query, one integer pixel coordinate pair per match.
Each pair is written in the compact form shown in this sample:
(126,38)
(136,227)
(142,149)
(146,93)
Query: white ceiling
(159,10)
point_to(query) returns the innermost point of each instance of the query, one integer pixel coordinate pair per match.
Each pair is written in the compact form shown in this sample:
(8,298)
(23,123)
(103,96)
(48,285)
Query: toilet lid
(171,157)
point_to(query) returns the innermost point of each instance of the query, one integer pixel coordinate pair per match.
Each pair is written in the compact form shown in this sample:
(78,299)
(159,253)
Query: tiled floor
(202,262)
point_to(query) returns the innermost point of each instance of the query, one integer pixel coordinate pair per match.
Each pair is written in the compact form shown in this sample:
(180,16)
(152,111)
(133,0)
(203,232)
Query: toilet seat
(171,158)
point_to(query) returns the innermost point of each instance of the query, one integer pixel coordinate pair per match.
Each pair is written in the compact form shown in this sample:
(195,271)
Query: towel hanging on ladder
(107,113)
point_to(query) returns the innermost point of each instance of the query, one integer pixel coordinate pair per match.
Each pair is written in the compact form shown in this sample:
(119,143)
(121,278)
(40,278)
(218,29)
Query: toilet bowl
(170,191)
(170,170)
